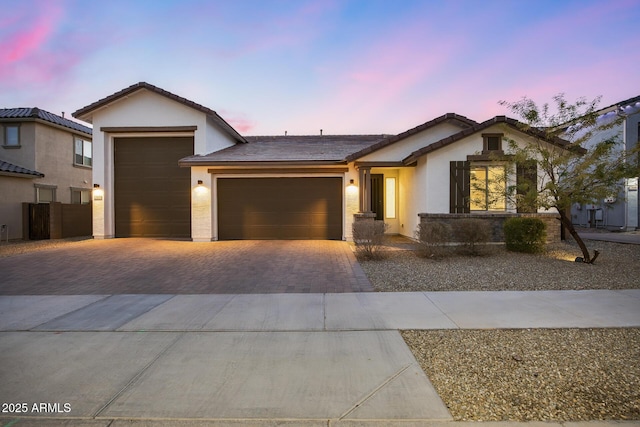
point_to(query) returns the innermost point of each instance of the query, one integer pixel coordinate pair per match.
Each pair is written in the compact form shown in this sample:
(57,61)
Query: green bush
(473,234)
(433,237)
(525,234)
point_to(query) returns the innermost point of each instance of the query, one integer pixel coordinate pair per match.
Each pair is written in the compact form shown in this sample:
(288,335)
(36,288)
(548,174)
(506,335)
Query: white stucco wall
(437,173)
(351,201)
(437,179)
(148,109)
(401,149)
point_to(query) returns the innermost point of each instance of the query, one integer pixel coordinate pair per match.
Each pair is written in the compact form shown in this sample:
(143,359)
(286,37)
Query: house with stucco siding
(43,158)
(165,166)
(620,211)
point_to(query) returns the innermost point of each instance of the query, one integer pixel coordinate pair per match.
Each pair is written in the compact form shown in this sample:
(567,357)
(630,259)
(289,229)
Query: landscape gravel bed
(533,374)
(523,375)
(617,267)
(17,247)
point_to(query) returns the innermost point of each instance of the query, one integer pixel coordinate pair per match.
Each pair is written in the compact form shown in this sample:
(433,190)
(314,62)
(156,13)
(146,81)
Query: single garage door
(152,193)
(280,208)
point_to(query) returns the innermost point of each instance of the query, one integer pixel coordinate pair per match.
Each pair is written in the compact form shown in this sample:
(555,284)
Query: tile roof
(321,148)
(461,121)
(85,113)
(7,168)
(625,103)
(37,113)
(512,123)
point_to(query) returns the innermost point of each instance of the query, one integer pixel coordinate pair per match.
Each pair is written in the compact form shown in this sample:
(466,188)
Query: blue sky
(347,67)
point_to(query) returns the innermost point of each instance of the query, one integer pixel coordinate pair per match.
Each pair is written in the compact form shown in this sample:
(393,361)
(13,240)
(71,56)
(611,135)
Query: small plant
(368,237)
(433,237)
(525,235)
(473,234)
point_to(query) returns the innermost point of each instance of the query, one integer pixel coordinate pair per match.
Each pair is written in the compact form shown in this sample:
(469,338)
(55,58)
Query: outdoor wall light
(97,192)
(200,188)
(352,189)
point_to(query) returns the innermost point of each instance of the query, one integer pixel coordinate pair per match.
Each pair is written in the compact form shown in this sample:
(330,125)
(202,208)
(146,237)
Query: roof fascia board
(380,164)
(147,129)
(86,112)
(21,175)
(461,121)
(272,170)
(505,121)
(204,162)
(45,123)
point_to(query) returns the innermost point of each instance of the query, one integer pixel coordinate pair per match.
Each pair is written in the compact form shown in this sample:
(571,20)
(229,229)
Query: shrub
(368,237)
(473,234)
(433,237)
(525,234)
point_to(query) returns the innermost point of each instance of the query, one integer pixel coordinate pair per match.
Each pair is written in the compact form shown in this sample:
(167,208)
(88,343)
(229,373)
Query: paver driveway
(150,266)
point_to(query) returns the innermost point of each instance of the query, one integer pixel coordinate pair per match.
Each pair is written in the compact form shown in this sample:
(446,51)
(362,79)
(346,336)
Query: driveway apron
(151,266)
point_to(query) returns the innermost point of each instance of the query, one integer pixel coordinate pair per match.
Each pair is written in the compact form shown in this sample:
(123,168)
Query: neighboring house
(43,158)
(622,210)
(169,167)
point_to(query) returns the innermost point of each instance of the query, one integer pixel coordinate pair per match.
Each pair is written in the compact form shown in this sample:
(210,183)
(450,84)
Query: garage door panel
(280,208)
(152,193)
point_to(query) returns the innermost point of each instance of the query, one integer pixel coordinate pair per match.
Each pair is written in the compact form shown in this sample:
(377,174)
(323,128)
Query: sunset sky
(344,66)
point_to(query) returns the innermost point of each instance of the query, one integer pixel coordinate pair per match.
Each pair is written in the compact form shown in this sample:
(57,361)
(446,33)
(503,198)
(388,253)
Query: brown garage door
(152,194)
(280,208)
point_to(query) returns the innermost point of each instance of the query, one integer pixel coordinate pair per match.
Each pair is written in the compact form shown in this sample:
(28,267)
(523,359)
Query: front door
(377,196)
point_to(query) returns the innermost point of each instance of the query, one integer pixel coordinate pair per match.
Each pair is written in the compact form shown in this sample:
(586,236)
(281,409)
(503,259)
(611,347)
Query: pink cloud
(30,39)
(238,121)
(23,53)
(390,72)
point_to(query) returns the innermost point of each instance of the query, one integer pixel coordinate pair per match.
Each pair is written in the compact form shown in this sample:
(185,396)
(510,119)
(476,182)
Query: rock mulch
(618,267)
(533,374)
(524,375)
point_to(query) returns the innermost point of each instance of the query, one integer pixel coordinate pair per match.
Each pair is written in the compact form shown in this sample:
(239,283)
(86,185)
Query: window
(80,196)
(12,135)
(390,197)
(488,189)
(492,143)
(82,153)
(45,193)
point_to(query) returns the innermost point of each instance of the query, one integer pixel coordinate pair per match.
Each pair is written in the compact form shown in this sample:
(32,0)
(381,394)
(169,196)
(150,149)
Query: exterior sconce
(200,188)
(352,189)
(98,193)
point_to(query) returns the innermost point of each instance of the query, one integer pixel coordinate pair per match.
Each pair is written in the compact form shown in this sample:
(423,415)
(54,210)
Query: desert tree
(577,158)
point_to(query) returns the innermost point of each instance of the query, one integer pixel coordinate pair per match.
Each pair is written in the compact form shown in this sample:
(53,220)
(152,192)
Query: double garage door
(280,208)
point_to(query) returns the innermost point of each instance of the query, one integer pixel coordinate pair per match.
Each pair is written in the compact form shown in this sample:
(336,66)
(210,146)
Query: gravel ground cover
(533,374)
(403,270)
(523,375)
(17,247)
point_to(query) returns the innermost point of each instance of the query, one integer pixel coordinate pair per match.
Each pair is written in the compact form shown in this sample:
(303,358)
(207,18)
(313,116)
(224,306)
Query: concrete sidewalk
(632,238)
(256,360)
